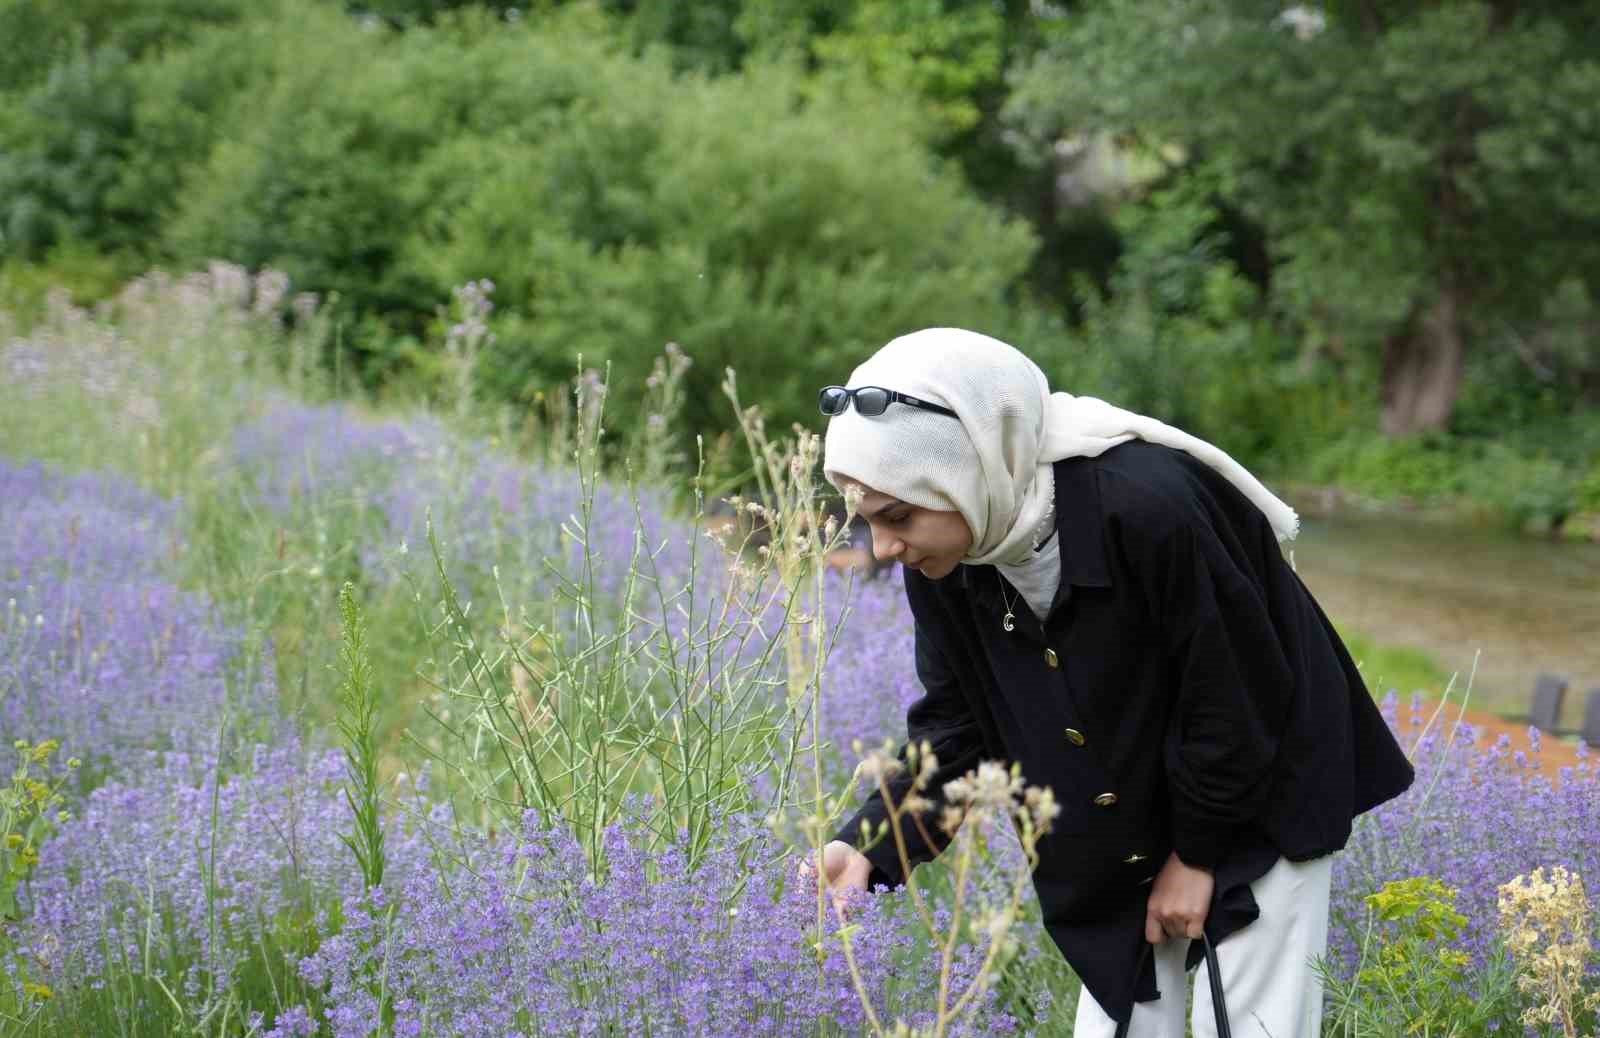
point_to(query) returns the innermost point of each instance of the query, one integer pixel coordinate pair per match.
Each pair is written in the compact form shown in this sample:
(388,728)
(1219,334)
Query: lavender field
(547,764)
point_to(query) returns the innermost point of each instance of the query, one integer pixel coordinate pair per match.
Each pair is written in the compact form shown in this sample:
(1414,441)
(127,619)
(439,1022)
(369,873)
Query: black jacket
(1186,693)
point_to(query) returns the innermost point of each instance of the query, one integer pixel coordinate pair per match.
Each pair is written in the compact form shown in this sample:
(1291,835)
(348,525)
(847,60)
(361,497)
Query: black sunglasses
(870,401)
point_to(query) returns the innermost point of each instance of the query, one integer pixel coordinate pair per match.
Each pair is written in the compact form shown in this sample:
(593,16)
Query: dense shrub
(1182,335)
(1533,478)
(312,180)
(54,30)
(66,141)
(616,205)
(789,253)
(98,149)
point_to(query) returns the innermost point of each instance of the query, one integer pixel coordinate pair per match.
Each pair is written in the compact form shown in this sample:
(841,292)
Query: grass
(1389,666)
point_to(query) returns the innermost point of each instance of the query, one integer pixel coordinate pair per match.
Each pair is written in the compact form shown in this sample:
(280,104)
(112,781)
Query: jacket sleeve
(943,718)
(1233,687)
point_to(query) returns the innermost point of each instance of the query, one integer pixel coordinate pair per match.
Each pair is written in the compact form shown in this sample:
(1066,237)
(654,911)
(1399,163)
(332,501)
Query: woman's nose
(886,546)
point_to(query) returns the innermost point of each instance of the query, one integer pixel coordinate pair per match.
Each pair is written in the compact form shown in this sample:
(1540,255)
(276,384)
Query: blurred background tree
(1354,242)
(1415,173)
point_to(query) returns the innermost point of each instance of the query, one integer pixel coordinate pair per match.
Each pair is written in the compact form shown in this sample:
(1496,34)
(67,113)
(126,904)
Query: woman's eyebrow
(892,503)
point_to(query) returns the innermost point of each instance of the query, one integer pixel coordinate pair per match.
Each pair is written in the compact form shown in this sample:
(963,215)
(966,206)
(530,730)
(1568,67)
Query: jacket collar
(1080,524)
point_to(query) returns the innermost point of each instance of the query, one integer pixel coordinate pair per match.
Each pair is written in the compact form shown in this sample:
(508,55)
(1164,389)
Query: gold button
(1075,737)
(1050,658)
(1133,859)
(1106,799)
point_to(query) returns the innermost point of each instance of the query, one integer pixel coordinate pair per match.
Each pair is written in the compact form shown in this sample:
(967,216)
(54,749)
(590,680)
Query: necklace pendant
(1009,621)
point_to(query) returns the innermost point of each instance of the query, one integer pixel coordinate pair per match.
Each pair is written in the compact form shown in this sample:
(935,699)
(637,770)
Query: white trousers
(1267,979)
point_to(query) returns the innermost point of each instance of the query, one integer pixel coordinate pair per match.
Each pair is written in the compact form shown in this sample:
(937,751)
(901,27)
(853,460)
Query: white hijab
(993,464)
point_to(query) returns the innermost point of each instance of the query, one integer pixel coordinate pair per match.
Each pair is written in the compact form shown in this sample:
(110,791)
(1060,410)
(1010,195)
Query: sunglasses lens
(832,400)
(872,400)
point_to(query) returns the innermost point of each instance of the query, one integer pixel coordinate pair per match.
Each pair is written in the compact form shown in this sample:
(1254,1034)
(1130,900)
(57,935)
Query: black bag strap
(1215,976)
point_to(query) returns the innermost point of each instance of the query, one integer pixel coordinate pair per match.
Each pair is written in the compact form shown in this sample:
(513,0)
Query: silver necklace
(1046,522)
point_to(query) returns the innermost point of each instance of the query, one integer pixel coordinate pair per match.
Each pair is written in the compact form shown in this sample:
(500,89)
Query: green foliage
(1181,335)
(1385,667)
(85,274)
(96,152)
(189,98)
(43,33)
(789,254)
(702,35)
(402,13)
(66,142)
(616,206)
(311,183)
(30,810)
(1522,490)
(1424,906)
(948,53)
(38,22)
(1535,476)
(358,706)
(782,185)
(1423,469)
(1387,160)
(1586,493)
(359,703)
(1416,981)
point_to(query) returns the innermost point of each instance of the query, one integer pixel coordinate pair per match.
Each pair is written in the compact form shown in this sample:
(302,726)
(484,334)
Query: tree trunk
(1423,365)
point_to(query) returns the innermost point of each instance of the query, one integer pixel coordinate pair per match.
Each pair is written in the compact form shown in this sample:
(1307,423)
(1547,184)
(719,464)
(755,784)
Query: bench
(1549,690)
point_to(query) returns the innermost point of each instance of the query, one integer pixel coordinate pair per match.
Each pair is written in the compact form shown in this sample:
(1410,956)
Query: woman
(1101,598)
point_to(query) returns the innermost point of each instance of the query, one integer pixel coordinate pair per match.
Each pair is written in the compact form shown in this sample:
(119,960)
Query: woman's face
(931,542)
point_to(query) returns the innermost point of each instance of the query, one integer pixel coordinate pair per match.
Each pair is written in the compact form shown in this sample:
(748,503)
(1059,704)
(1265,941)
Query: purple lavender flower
(1474,819)
(515,936)
(174,857)
(511,932)
(97,648)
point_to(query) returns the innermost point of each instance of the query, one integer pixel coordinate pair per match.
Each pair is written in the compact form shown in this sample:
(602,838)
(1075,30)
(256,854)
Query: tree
(1422,173)
(96,151)
(42,33)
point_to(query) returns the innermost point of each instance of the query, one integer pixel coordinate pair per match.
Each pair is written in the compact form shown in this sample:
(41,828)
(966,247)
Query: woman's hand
(1179,901)
(844,867)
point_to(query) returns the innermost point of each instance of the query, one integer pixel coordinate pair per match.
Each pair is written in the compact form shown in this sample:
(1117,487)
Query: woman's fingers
(843,867)
(1162,924)
(845,872)
(846,867)
(1180,897)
